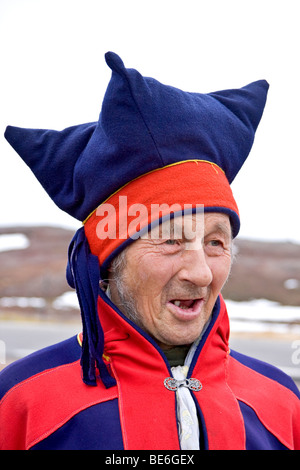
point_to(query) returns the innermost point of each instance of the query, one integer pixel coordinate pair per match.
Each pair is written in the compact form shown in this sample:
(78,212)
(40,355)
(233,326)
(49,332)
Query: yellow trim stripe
(148,173)
(79,340)
(107,358)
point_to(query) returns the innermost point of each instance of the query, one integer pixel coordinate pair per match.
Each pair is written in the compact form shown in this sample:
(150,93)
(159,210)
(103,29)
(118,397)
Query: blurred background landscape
(33,273)
(36,303)
(54,76)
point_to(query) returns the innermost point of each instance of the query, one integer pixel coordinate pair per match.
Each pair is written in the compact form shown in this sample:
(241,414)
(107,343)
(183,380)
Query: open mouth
(184,304)
(186,309)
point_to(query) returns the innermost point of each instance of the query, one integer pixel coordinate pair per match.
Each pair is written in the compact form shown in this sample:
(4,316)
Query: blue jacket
(243,403)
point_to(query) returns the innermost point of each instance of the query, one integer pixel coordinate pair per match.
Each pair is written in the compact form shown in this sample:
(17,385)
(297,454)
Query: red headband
(182,185)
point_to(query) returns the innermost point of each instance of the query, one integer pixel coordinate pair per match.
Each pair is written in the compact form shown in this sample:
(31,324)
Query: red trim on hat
(189,183)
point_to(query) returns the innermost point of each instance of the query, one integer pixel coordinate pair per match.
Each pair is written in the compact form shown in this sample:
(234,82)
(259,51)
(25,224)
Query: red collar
(147,407)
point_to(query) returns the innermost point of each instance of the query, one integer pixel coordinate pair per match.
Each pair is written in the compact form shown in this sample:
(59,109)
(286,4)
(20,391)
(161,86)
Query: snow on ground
(66,300)
(22,302)
(256,316)
(262,315)
(13,241)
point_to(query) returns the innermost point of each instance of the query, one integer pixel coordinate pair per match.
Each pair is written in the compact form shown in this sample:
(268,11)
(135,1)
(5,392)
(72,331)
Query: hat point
(114,61)
(143,125)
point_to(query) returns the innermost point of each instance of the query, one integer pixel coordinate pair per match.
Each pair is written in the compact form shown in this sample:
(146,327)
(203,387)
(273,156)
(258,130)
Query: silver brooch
(172,384)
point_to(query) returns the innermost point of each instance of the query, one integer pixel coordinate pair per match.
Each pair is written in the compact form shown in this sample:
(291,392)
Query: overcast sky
(53,75)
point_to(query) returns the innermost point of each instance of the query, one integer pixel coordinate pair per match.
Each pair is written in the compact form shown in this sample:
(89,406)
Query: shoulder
(42,392)
(265,371)
(269,399)
(54,356)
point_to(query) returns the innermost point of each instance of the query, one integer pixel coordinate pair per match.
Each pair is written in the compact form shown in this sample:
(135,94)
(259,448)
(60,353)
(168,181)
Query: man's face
(172,283)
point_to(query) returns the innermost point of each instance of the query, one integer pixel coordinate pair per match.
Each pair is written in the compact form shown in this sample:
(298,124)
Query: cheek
(149,275)
(220,269)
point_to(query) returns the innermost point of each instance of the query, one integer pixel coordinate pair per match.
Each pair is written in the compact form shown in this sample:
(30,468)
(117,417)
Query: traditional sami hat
(153,143)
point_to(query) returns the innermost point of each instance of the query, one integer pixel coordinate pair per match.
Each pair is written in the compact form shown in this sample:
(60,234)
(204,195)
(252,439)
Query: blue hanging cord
(83,274)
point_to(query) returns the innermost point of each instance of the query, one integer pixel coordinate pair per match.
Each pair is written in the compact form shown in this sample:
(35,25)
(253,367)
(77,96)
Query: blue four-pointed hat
(143,125)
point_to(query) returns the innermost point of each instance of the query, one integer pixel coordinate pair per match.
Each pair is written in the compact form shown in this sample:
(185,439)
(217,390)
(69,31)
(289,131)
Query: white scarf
(189,431)
(186,413)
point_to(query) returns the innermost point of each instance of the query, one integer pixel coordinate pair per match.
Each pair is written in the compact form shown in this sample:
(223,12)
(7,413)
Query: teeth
(178,303)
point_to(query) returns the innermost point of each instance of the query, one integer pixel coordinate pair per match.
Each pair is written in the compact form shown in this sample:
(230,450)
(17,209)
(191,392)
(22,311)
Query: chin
(180,340)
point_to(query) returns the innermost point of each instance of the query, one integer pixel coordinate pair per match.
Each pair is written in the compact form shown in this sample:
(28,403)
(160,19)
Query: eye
(214,247)
(170,242)
(215,243)
(172,245)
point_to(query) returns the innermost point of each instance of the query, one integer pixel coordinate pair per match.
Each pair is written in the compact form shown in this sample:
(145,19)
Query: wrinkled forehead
(189,226)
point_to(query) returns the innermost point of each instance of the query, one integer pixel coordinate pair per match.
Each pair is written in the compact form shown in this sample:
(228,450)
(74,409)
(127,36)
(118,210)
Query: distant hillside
(265,270)
(37,270)
(36,273)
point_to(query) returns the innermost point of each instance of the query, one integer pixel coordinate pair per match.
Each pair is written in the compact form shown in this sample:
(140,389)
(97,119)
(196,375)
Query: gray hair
(127,303)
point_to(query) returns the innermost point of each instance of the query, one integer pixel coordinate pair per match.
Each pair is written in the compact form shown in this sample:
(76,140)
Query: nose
(195,269)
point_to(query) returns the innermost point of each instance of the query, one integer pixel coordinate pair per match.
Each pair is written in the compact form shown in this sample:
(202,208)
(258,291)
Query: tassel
(83,274)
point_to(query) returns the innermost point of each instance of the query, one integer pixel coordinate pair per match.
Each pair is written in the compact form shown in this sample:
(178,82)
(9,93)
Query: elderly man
(152,368)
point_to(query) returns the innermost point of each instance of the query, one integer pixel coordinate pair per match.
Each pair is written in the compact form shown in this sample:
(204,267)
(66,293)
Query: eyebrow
(220,228)
(217,227)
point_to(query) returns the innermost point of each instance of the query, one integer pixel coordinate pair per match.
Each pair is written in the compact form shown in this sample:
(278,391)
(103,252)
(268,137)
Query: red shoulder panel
(276,406)
(27,419)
